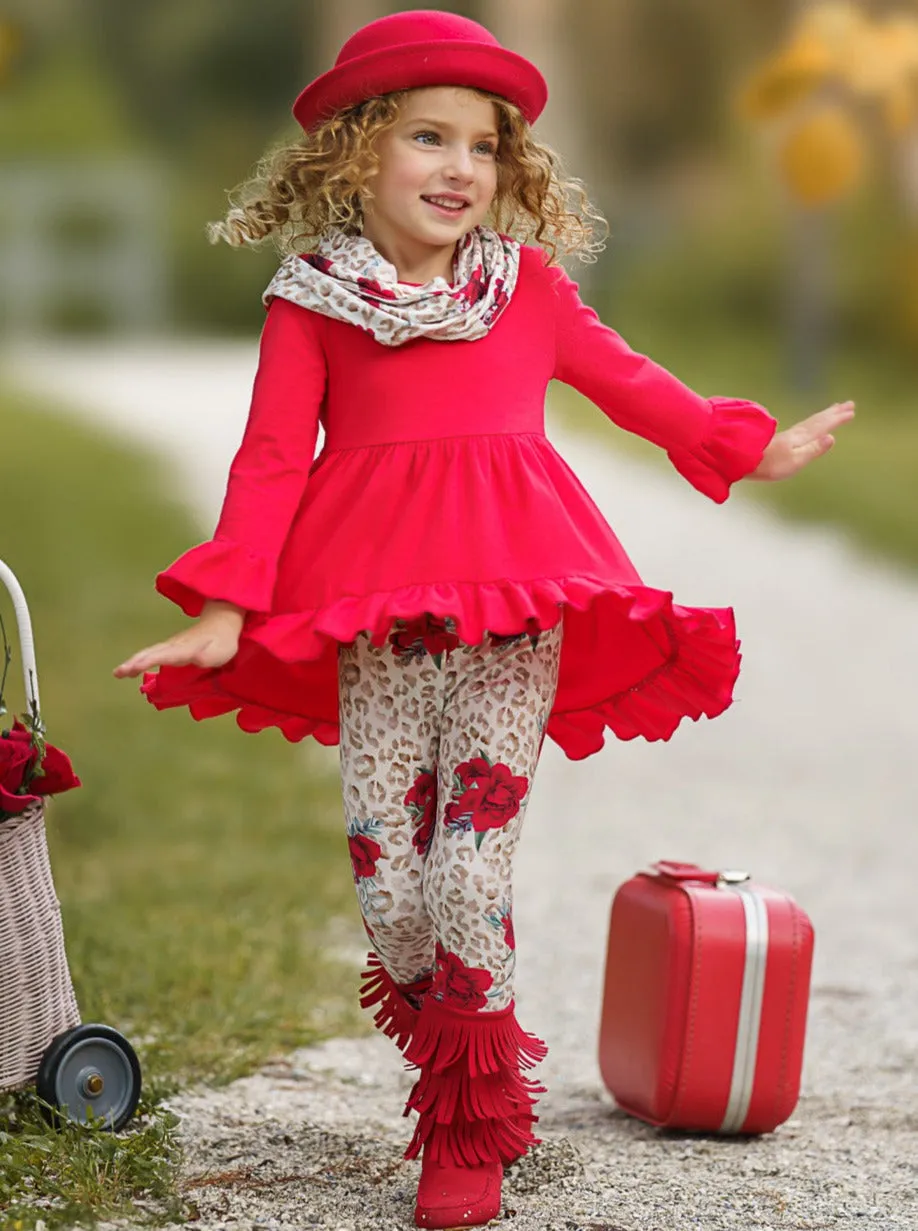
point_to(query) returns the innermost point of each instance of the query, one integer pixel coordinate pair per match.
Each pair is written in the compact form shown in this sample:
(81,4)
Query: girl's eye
(483,147)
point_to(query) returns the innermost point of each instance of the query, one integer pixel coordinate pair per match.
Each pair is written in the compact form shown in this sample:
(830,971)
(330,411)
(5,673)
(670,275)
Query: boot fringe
(473,1103)
(470,1145)
(495,1041)
(395,1017)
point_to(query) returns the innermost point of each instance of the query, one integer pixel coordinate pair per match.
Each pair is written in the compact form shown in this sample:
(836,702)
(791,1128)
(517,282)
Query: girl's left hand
(801,444)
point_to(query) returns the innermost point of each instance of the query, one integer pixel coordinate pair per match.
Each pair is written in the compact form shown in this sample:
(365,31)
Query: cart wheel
(89,1068)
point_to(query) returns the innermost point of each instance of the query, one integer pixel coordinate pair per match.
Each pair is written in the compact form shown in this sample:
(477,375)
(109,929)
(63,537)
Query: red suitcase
(705,1001)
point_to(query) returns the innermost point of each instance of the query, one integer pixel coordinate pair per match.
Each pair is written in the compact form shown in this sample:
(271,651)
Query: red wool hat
(424,47)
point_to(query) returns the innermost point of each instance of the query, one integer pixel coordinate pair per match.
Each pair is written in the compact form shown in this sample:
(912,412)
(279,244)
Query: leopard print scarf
(347,279)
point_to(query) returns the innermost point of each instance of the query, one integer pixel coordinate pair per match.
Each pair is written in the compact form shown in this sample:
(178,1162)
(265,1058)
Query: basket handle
(26,642)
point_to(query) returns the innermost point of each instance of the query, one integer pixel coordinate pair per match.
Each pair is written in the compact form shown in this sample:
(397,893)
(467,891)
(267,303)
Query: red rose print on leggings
(421,802)
(455,983)
(364,853)
(485,796)
(412,639)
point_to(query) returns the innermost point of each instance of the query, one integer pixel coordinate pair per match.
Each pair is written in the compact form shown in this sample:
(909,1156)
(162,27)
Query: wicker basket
(83,1072)
(36,995)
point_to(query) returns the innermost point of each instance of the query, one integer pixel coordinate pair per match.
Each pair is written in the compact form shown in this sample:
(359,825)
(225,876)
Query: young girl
(436,591)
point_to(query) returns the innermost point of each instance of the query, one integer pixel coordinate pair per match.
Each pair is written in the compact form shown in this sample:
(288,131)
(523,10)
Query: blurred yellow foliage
(10,42)
(902,31)
(884,58)
(786,79)
(900,107)
(835,43)
(822,156)
(837,25)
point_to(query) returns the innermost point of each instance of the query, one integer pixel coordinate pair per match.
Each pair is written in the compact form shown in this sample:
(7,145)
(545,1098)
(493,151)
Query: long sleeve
(712,442)
(268,474)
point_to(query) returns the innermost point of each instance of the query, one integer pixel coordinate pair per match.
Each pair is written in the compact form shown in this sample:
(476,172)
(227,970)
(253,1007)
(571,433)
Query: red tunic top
(438,492)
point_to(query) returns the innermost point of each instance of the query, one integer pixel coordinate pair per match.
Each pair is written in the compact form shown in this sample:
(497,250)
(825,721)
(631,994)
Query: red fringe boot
(474,1109)
(396,1016)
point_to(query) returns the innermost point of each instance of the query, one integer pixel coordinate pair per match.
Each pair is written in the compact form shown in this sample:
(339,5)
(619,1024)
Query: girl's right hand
(212,641)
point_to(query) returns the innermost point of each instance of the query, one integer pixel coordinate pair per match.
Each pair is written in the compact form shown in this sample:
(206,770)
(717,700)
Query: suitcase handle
(673,870)
(26,642)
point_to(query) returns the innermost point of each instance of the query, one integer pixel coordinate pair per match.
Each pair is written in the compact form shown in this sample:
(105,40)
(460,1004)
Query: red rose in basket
(28,772)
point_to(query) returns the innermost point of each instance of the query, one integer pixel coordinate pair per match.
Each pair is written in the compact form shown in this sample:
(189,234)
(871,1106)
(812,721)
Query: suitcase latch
(731,877)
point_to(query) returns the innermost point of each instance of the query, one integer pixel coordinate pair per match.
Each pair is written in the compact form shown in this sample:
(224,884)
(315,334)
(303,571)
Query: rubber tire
(55,1053)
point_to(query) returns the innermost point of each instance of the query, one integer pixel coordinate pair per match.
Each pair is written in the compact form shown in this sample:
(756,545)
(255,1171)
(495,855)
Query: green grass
(199,868)
(866,484)
(69,1177)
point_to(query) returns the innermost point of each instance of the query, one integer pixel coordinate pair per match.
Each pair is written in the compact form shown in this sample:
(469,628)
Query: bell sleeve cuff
(219,569)
(738,435)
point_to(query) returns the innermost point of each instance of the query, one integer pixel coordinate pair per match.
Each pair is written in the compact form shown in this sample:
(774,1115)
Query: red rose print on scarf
(509,935)
(455,983)
(371,287)
(412,639)
(474,289)
(484,796)
(500,300)
(421,802)
(364,854)
(322,263)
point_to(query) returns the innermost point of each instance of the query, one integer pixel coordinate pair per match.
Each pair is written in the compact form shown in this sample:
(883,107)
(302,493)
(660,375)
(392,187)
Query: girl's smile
(448,205)
(436,180)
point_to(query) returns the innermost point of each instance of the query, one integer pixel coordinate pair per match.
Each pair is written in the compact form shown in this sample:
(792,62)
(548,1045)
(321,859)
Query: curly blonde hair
(299,191)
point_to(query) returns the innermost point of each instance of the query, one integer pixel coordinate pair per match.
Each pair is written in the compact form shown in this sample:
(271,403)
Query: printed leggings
(439,746)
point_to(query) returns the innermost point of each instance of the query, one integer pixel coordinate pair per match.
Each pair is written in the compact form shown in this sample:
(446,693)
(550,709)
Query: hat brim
(494,69)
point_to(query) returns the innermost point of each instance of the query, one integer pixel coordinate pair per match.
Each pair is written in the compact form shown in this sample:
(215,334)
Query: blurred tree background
(643,107)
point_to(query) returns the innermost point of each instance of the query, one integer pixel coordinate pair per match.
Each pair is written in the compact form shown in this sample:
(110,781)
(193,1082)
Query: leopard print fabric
(439,745)
(348,280)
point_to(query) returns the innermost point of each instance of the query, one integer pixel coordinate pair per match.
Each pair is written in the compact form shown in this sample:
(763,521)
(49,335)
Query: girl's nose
(460,165)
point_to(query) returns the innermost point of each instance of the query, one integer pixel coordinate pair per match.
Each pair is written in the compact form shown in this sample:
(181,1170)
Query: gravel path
(809,781)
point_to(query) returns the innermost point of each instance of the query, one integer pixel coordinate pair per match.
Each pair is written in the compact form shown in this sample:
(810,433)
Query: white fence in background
(83,235)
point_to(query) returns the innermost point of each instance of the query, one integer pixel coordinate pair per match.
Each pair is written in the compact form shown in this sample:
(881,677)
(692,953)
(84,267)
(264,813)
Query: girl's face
(436,180)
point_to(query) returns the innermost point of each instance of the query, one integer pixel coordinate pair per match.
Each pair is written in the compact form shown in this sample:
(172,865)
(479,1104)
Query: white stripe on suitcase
(750,1015)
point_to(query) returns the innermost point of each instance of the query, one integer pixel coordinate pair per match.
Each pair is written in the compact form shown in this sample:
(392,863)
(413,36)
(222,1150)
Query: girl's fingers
(811,450)
(809,431)
(164,654)
(178,651)
(138,662)
(133,666)
(801,444)
(829,418)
